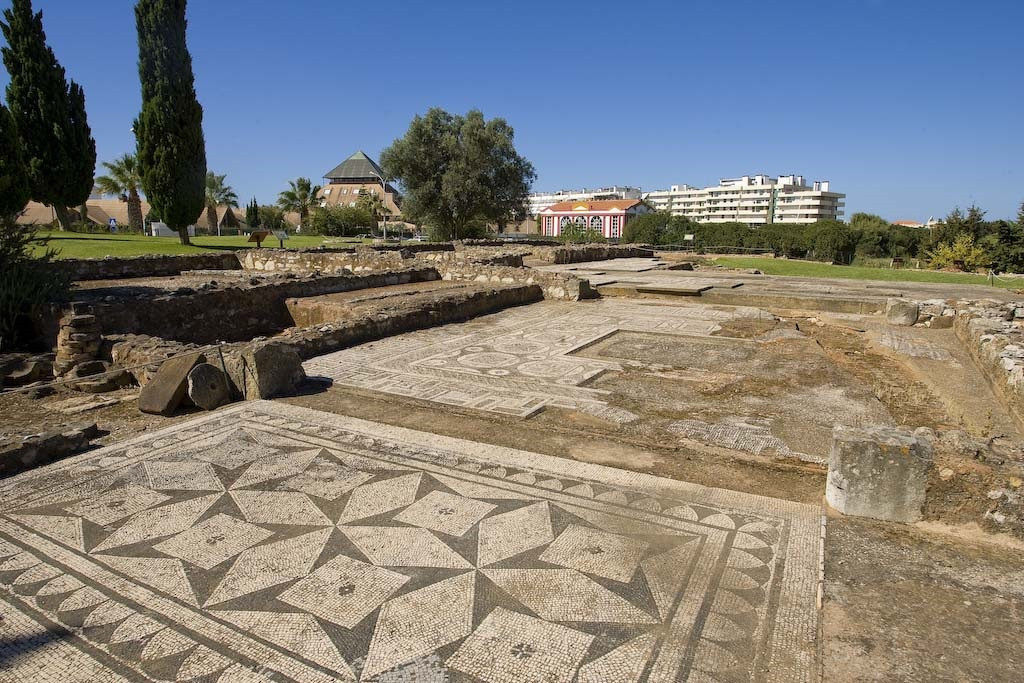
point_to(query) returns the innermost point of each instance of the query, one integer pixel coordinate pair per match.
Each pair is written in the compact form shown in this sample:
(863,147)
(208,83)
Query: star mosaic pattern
(269,542)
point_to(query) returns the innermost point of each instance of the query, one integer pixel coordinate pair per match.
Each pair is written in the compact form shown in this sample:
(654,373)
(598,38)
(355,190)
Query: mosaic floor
(269,542)
(518,362)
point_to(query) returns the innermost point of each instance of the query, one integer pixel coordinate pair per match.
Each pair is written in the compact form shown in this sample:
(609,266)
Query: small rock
(900,312)
(946,474)
(995,494)
(1015,482)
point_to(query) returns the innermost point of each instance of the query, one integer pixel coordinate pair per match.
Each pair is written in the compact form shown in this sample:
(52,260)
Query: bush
(962,254)
(26,282)
(339,221)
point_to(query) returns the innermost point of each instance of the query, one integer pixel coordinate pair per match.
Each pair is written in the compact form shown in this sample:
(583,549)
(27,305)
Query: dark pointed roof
(357,166)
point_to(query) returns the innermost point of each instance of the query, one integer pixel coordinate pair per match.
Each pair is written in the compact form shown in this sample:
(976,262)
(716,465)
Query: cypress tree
(49,115)
(252,214)
(13,180)
(169,130)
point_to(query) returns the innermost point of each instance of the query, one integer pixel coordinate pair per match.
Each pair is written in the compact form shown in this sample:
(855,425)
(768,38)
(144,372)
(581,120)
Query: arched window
(581,221)
(596,223)
(565,222)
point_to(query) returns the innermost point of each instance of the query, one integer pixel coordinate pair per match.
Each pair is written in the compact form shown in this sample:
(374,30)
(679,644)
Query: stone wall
(112,268)
(245,361)
(480,255)
(590,252)
(554,285)
(234,313)
(329,262)
(994,336)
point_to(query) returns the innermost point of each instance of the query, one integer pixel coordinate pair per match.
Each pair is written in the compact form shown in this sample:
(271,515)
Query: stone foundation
(554,285)
(146,266)
(234,313)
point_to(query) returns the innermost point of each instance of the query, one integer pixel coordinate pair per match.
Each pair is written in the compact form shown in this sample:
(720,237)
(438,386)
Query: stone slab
(163,394)
(312,547)
(878,472)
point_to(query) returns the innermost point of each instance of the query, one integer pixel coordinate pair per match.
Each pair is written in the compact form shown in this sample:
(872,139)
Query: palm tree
(124,179)
(217,193)
(300,197)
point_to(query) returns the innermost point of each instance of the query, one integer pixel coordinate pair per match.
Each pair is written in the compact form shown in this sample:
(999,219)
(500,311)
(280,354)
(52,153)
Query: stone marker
(878,472)
(900,312)
(265,370)
(164,392)
(208,387)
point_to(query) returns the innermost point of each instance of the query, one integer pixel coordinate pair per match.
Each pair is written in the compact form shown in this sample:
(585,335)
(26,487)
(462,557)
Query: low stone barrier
(554,285)
(234,313)
(994,336)
(21,454)
(480,256)
(401,314)
(114,268)
(327,261)
(590,252)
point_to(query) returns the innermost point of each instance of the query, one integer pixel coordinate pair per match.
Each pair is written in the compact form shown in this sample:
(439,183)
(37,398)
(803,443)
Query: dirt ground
(903,604)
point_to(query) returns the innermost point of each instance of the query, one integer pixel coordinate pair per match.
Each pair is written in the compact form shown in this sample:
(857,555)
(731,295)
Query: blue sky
(908,106)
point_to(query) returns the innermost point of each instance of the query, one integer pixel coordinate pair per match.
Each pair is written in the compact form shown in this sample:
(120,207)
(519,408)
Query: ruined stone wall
(234,313)
(112,268)
(994,336)
(141,353)
(590,252)
(325,261)
(480,255)
(554,285)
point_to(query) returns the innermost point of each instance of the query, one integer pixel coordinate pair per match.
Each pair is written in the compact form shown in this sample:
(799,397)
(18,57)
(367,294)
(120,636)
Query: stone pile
(25,453)
(78,340)
(935,313)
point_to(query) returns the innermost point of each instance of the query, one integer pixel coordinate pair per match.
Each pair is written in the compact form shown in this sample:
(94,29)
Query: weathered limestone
(78,340)
(18,455)
(901,312)
(208,387)
(264,370)
(163,394)
(878,472)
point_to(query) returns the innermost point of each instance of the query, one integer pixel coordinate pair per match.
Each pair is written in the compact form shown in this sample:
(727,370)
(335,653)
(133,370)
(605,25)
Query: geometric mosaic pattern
(269,542)
(516,363)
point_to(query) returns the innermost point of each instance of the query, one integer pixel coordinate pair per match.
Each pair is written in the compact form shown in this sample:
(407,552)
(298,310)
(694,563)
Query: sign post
(281,236)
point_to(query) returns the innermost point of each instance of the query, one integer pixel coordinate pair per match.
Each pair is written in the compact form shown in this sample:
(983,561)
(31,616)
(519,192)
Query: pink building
(607,216)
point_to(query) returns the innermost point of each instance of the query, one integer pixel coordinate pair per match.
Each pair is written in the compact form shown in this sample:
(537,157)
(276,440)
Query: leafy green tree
(28,281)
(648,228)
(49,114)
(1008,251)
(252,214)
(169,130)
(833,241)
(14,191)
(218,193)
(962,254)
(459,170)
(300,198)
(271,218)
(339,221)
(123,179)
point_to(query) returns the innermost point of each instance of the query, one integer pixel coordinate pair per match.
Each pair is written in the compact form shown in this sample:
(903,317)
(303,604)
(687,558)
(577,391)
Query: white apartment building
(754,200)
(539,201)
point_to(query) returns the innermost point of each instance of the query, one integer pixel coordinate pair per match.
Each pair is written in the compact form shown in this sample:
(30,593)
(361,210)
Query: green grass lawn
(85,245)
(812,269)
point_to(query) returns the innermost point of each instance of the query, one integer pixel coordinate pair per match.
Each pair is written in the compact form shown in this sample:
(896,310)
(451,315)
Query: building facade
(539,201)
(607,216)
(359,173)
(754,200)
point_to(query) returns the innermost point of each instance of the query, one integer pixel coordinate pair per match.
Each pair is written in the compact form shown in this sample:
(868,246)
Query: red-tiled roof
(593,205)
